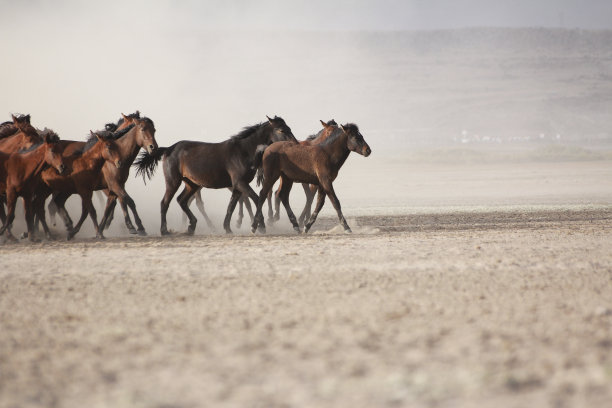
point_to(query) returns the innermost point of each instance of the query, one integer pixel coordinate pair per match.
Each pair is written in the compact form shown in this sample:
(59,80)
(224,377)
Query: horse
(18,134)
(112,182)
(15,135)
(20,175)
(317,164)
(244,199)
(309,189)
(86,165)
(212,165)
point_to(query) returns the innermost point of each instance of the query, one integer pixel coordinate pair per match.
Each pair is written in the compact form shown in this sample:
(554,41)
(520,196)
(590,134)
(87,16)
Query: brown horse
(85,165)
(309,189)
(212,165)
(318,164)
(141,134)
(20,176)
(16,135)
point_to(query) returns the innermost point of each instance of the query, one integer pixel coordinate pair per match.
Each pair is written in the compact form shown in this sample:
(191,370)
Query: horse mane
(106,135)
(50,134)
(247,131)
(135,115)
(7,129)
(330,122)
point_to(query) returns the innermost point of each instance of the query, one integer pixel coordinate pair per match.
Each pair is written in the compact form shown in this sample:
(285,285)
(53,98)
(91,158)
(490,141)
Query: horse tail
(257,163)
(146,163)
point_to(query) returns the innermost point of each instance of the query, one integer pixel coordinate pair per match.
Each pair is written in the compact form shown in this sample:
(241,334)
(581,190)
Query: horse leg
(310,194)
(84,213)
(2,212)
(127,202)
(286,185)
(172,185)
(40,215)
(183,200)
(270,209)
(276,201)
(29,216)
(60,200)
(258,220)
(93,215)
(111,202)
(247,204)
(313,217)
(329,190)
(52,208)
(200,205)
(236,193)
(11,201)
(240,211)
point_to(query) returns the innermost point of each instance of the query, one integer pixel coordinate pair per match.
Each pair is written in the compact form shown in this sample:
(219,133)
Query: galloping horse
(212,165)
(318,164)
(85,165)
(20,177)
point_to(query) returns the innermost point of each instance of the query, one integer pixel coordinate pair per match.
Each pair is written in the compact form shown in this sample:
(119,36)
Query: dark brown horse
(318,164)
(141,134)
(85,166)
(212,165)
(20,176)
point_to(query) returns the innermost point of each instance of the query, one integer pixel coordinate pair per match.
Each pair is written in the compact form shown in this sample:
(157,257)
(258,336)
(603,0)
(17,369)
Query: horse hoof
(100,237)
(142,233)
(348,231)
(133,231)
(50,237)
(24,235)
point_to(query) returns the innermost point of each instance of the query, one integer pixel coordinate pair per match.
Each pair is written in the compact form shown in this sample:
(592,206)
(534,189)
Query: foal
(318,164)
(20,176)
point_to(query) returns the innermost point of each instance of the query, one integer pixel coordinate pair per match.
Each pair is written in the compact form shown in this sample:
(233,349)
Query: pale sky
(325,14)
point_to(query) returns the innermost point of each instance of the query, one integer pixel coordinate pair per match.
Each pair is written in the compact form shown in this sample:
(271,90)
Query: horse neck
(91,159)
(337,149)
(127,146)
(33,162)
(261,136)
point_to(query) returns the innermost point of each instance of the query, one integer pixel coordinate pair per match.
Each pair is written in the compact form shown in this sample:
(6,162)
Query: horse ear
(325,125)
(343,128)
(46,138)
(271,121)
(124,117)
(26,119)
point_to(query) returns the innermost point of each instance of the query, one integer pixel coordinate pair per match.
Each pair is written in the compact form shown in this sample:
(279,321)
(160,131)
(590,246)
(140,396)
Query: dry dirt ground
(493,308)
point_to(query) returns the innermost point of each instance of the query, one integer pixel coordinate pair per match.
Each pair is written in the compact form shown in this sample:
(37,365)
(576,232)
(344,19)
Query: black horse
(212,165)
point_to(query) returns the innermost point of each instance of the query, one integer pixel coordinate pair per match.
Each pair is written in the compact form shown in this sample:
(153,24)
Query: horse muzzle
(118,164)
(150,149)
(366,151)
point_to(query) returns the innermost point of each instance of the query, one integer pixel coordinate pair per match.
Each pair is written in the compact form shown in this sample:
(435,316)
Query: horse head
(53,151)
(355,141)
(280,131)
(109,149)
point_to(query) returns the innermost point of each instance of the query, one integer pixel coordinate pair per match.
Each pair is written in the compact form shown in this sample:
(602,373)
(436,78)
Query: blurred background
(464,103)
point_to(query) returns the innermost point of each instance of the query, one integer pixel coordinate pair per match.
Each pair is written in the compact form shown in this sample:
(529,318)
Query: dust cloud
(440,104)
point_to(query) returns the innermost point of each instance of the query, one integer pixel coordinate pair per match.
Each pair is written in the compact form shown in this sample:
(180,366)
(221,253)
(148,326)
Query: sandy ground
(475,308)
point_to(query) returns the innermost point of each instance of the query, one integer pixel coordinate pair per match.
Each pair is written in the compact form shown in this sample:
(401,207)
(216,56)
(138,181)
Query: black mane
(247,131)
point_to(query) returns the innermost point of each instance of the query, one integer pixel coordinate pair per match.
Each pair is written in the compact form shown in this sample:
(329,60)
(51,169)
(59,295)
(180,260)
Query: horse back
(205,164)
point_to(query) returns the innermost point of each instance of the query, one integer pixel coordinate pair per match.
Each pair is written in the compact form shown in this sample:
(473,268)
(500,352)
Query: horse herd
(36,164)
